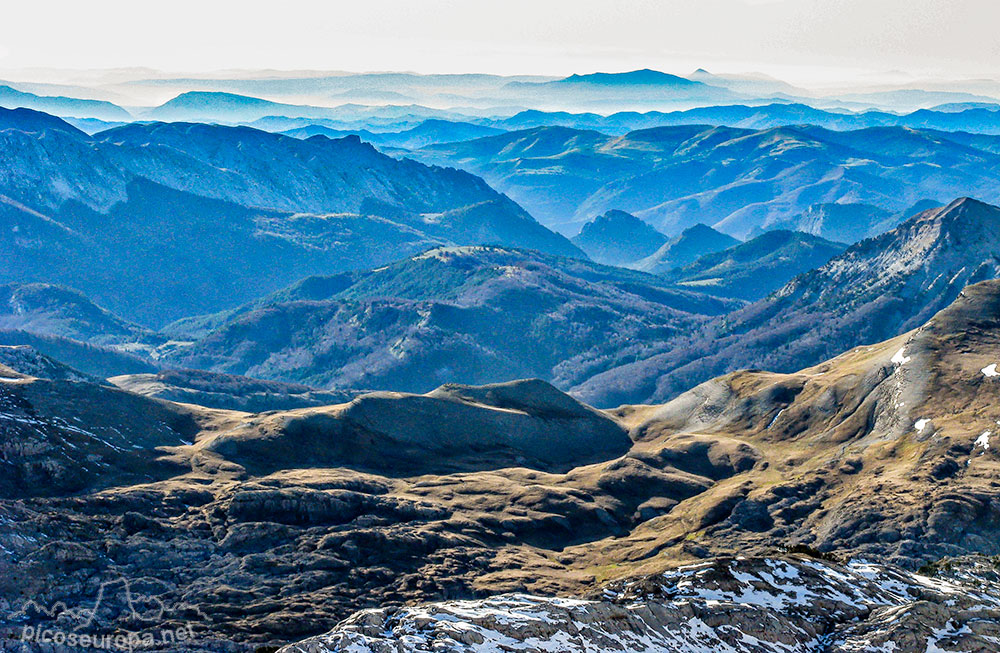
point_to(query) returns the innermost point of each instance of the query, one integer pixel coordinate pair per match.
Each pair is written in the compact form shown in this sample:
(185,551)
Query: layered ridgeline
(158,221)
(874,290)
(754,269)
(427,132)
(739,181)
(61,105)
(969,118)
(884,454)
(471,314)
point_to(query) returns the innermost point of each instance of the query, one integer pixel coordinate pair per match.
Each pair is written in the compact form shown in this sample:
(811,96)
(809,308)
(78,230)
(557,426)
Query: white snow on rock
(990,371)
(921,424)
(900,358)
(984,440)
(727,605)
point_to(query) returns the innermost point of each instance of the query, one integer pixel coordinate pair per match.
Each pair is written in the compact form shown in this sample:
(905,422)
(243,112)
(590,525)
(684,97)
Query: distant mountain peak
(966,205)
(692,243)
(215,96)
(698,230)
(963,217)
(615,215)
(618,238)
(645,76)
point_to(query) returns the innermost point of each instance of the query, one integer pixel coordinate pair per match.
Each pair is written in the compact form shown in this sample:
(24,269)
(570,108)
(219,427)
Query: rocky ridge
(737,605)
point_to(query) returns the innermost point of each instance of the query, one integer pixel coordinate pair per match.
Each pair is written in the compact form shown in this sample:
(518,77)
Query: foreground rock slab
(738,605)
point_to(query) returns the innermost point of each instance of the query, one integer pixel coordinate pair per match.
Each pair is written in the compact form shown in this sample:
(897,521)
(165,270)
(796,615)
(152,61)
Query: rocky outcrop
(227,391)
(66,436)
(740,605)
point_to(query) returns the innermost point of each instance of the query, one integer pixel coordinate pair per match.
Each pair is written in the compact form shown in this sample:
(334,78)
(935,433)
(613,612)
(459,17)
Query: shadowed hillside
(159,221)
(874,290)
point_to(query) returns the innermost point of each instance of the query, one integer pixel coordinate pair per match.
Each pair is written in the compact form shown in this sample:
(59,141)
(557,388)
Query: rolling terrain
(469,314)
(738,181)
(883,453)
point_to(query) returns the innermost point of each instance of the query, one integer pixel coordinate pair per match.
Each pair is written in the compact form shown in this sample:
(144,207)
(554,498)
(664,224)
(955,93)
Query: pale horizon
(805,42)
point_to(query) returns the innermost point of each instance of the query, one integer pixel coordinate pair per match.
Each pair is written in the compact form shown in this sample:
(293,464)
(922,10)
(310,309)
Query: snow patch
(900,357)
(990,371)
(984,440)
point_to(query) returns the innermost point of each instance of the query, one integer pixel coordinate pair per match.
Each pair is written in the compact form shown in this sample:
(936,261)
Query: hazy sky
(796,39)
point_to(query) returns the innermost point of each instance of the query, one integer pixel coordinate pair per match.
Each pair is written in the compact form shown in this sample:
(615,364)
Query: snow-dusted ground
(733,605)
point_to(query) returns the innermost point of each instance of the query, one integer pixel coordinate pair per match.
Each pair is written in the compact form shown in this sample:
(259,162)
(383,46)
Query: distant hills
(875,290)
(426,133)
(205,106)
(613,102)
(63,106)
(159,221)
(738,181)
(972,117)
(641,90)
(644,77)
(470,313)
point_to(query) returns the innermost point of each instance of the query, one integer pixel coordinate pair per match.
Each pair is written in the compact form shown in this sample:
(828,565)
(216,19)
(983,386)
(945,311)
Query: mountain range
(190,218)
(62,106)
(653,98)
(976,118)
(306,375)
(737,181)
(608,334)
